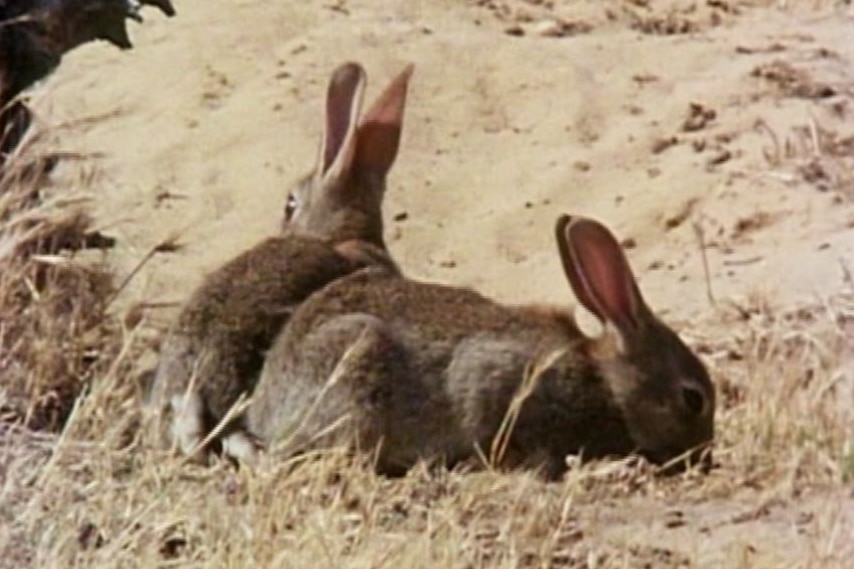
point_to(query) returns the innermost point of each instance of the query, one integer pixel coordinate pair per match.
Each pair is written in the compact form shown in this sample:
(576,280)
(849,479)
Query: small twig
(89,120)
(773,157)
(742,262)
(22,19)
(701,243)
(847,276)
(188,393)
(533,373)
(342,367)
(243,402)
(815,137)
(167,245)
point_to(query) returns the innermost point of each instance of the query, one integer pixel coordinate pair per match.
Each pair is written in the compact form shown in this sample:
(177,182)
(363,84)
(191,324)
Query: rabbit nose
(694,399)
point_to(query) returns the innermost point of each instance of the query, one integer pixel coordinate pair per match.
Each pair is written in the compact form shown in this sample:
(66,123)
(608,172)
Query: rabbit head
(663,390)
(341,199)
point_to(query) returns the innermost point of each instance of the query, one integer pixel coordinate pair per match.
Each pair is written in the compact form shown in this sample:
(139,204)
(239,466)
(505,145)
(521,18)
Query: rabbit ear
(599,273)
(343,103)
(380,128)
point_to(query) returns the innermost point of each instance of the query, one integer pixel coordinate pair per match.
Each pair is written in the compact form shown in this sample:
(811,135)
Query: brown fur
(242,306)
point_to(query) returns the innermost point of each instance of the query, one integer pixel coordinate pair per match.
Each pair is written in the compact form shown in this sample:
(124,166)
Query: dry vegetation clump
(53,323)
(787,394)
(814,153)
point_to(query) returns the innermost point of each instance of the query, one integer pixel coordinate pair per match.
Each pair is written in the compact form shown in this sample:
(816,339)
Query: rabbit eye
(694,399)
(290,207)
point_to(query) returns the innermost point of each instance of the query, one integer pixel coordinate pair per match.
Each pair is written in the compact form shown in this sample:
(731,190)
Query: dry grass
(52,332)
(94,495)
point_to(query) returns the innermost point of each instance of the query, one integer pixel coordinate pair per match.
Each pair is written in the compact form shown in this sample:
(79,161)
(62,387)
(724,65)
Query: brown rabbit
(422,371)
(333,225)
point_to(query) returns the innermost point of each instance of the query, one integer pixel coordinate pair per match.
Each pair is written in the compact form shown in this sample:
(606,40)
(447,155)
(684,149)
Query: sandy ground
(667,120)
(204,125)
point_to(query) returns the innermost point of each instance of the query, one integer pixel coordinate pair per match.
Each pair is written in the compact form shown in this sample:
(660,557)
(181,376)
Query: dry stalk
(700,234)
(532,374)
(342,367)
(167,245)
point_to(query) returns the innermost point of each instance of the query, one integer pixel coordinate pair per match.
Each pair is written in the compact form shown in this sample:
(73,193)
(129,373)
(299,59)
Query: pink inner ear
(335,134)
(607,286)
(388,108)
(377,148)
(571,268)
(379,131)
(605,272)
(342,102)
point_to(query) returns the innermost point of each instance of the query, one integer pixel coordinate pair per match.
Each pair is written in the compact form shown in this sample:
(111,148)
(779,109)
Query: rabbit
(414,370)
(332,226)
